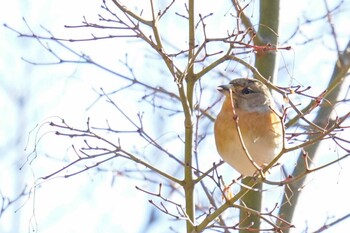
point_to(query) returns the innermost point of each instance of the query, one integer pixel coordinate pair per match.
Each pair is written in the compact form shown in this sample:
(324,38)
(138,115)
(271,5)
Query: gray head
(248,94)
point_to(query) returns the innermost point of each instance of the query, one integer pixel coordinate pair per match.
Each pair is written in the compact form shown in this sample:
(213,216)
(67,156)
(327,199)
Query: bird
(248,130)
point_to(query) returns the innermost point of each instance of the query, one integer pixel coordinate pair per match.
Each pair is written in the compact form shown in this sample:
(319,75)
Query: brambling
(248,131)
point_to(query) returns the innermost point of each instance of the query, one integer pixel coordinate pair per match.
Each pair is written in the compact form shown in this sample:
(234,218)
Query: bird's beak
(223,88)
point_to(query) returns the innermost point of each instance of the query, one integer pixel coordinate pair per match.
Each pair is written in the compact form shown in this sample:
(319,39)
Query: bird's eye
(246,91)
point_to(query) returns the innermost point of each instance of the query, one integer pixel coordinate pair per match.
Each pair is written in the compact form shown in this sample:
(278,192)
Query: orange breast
(261,133)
